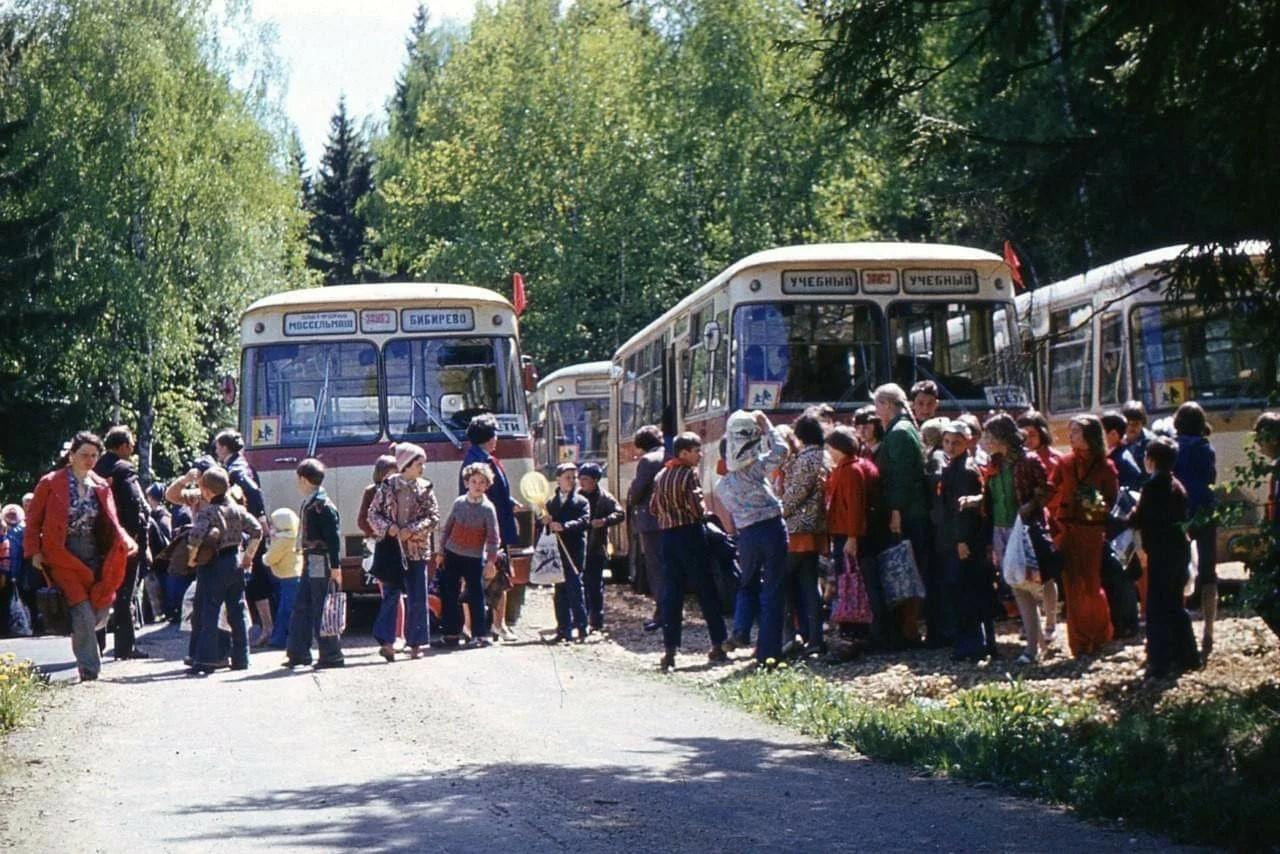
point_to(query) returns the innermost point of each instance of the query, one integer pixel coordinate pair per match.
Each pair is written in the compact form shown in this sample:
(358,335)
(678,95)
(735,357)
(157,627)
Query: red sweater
(847,499)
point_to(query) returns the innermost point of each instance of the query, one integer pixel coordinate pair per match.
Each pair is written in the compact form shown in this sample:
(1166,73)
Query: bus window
(641,393)
(284,383)
(580,428)
(720,365)
(953,344)
(795,354)
(1070,359)
(1114,381)
(433,383)
(694,362)
(1180,354)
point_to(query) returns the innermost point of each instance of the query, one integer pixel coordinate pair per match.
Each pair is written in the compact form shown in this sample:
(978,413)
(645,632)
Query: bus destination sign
(320,323)
(940,281)
(819,282)
(437,320)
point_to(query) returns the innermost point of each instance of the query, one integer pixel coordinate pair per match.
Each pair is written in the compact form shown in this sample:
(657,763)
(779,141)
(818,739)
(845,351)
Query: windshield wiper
(419,403)
(322,400)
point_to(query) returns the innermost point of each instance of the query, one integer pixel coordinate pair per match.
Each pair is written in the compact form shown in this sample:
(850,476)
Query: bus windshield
(1181,354)
(579,427)
(286,384)
(964,347)
(437,385)
(795,354)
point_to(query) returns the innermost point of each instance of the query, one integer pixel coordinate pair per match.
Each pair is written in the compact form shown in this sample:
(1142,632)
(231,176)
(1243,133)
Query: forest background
(616,153)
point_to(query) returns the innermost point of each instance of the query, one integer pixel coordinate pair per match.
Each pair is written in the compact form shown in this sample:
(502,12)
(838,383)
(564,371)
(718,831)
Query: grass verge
(20,685)
(1204,771)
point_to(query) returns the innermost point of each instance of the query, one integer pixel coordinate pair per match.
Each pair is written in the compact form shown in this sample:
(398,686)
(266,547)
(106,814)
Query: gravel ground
(520,746)
(1246,655)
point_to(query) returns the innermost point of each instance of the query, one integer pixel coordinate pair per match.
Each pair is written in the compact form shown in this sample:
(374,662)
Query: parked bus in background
(341,372)
(792,327)
(1113,334)
(570,411)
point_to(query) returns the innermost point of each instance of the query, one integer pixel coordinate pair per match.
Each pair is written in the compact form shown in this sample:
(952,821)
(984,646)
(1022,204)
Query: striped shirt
(677,497)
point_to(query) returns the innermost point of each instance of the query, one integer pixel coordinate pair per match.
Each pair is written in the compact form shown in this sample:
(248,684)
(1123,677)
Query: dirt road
(521,747)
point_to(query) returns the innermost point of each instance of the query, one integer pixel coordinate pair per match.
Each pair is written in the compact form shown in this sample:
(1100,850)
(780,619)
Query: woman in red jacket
(75,538)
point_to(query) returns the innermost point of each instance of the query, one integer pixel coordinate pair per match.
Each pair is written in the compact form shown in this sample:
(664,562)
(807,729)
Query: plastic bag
(19,617)
(899,574)
(548,566)
(1019,557)
(852,603)
(333,617)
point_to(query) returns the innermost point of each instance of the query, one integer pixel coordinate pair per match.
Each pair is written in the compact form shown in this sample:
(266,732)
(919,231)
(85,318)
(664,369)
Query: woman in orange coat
(1084,484)
(75,538)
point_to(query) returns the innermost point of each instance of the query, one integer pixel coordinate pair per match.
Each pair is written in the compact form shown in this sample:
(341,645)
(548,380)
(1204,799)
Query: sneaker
(387,652)
(1024,659)
(652,625)
(667,663)
(717,655)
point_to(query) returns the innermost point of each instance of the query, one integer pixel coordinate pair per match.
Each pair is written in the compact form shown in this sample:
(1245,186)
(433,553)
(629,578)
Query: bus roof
(884,253)
(395,293)
(582,369)
(1116,272)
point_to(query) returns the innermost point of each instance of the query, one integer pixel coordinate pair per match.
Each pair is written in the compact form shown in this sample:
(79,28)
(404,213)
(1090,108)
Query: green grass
(1205,771)
(20,685)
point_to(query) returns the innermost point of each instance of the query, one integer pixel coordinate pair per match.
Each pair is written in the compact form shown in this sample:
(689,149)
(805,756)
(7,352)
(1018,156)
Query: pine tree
(337,244)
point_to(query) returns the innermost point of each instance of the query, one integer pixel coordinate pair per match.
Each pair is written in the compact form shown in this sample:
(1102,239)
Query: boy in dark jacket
(321,571)
(568,515)
(961,543)
(1161,516)
(605,513)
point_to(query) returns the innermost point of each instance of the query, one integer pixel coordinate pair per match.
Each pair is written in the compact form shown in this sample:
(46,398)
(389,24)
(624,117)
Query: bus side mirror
(528,373)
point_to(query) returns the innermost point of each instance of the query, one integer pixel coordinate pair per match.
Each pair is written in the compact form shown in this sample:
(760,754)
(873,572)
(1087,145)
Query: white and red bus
(792,327)
(1112,334)
(341,372)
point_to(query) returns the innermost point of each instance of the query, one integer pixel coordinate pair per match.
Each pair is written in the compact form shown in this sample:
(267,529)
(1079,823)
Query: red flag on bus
(518,298)
(1011,258)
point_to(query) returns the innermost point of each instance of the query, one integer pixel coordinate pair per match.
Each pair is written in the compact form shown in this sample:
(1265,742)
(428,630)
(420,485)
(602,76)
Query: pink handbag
(852,603)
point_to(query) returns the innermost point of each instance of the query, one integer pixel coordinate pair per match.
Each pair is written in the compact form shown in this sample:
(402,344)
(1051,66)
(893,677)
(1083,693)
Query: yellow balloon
(535,488)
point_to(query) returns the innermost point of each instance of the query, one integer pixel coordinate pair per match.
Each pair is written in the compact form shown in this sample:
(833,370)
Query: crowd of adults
(906,530)
(899,530)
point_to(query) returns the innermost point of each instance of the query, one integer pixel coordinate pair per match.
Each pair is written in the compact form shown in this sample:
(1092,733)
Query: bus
(341,372)
(570,412)
(791,327)
(1114,334)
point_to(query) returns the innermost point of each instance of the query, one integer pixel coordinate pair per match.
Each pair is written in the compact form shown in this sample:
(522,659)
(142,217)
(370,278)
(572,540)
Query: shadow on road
(685,794)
